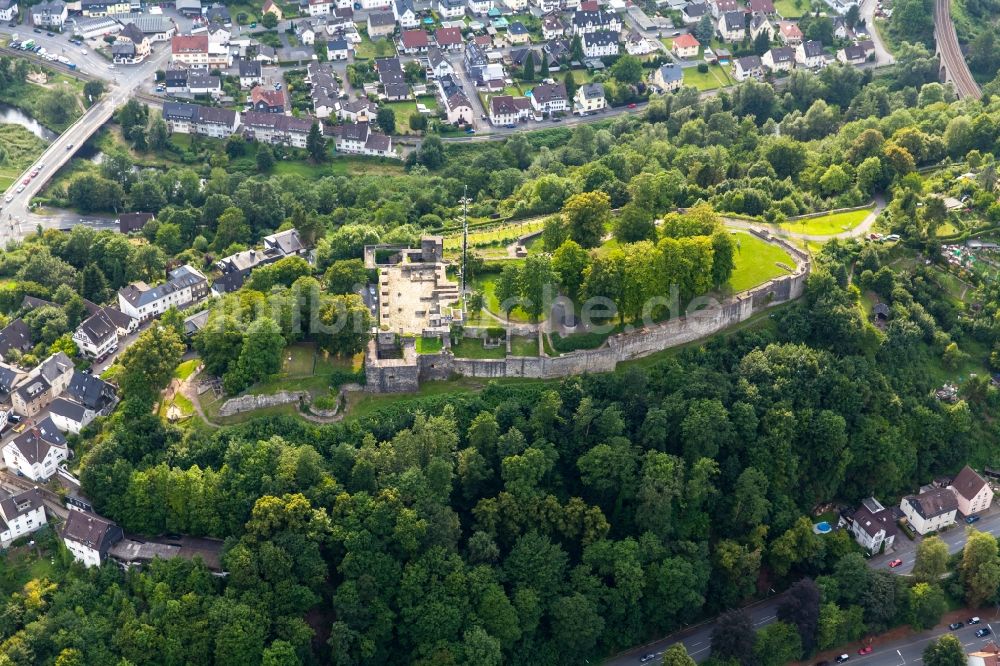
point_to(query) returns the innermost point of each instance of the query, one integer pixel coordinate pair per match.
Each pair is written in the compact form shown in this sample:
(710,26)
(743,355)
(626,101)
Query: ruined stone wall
(248,403)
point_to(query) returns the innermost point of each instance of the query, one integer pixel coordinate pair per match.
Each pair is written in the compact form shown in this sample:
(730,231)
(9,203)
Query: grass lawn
(368,49)
(946,229)
(404,110)
(473,348)
(950,283)
(22,149)
(756,262)
(428,345)
(827,225)
(715,77)
(524,346)
(306,368)
(487,285)
(788,9)
(185,369)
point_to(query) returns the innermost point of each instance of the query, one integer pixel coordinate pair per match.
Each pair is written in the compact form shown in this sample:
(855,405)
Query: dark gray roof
(180,111)
(378,141)
(8,377)
(20,504)
(288,241)
(35,442)
(592,90)
(671,72)
(812,48)
(517,28)
(968,483)
(68,409)
(600,38)
(91,530)
(32,388)
(933,503)
(734,21)
(139,294)
(381,19)
(249,68)
(748,63)
(696,9)
(98,328)
(90,391)
(548,92)
(16,335)
(855,52)
(871,523)
(583,18)
(782,54)
(132,31)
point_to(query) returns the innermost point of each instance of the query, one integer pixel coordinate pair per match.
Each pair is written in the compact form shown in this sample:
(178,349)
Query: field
(522,346)
(498,237)
(428,345)
(756,262)
(715,77)
(487,285)
(473,348)
(22,148)
(185,369)
(368,49)
(827,225)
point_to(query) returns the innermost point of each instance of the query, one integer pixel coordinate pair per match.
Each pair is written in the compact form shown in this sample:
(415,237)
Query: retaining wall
(401,375)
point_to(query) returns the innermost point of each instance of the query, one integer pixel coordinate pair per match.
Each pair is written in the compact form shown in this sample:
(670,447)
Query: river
(15,116)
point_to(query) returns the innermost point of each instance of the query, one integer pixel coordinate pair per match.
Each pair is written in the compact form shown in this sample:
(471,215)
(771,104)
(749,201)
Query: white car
(8,198)
(20,188)
(83,51)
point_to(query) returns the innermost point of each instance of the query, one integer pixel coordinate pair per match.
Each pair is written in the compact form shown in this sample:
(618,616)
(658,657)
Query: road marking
(762,621)
(697,651)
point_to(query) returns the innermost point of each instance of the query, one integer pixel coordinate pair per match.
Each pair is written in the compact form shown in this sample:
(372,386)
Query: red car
(895,563)
(26,180)
(865,650)
(632,105)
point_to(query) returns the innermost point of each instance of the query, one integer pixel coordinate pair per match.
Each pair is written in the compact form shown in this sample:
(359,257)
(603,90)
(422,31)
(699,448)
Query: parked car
(20,188)
(956,625)
(971,519)
(646,658)
(973,620)
(632,105)
(892,238)
(985,631)
(842,658)
(8,198)
(866,649)
(26,180)
(895,563)
(38,31)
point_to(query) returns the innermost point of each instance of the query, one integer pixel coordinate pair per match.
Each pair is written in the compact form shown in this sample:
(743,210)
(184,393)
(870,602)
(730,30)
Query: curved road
(863,228)
(952,59)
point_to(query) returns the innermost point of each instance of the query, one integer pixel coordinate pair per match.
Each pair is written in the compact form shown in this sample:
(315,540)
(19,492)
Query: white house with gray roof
(36,452)
(89,537)
(20,514)
(142,302)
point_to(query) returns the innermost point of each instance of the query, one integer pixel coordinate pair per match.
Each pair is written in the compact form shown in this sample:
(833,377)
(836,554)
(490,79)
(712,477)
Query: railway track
(951,53)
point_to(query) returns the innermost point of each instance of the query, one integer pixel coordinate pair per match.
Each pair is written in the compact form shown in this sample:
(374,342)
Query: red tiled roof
(448,36)
(686,41)
(413,39)
(271,97)
(189,44)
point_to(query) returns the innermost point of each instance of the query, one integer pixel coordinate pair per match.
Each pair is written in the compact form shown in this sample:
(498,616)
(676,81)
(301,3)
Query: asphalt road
(905,549)
(882,55)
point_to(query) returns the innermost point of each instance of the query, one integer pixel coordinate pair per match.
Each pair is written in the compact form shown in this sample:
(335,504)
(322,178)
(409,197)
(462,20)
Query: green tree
(677,655)
(927,605)
(386,120)
(980,568)
(570,81)
(260,356)
(569,262)
(316,144)
(627,69)
(269,21)
(343,325)
(528,68)
(537,285)
(777,644)
(945,651)
(265,158)
(232,229)
(148,365)
(344,276)
(508,288)
(586,215)
(931,562)
(733,637)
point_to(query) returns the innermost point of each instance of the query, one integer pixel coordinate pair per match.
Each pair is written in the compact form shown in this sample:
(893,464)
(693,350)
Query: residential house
(359,139)
(338,48)
(558,50)
(405,15)
(508,110)
(319,7)
(267,100)
(286,243)
(142,302)
(189,8)
(200,82)
(380,24)
(972,492)
(810,54)
(693,11)
(988,655)
(215,122)
(84,399)
(15,340)
(518,34)
(129,222)
(357,111)
(218,14)
(589,98)
(194,51)
(720,7)
(515,6)
(448,39)
(549,98)
(779,59)
(747,67)
(450,9)
(519,55)
(476,62)
(132,36)
(585,21)
(931,510)
(36,453)
(668,77)
(765,7)
(42,384)
(414,41)
(250,73)
(96,336)
(20,514)
(637,45)
(306,33)
(89,537)
(686,46)
(873,526)
(123,53)
(102,8)
(760,24)
(49,15)
(271,7)
(869,47)
(10,377)
(548,6)
(600,44)
(219,35)
(454,101)
(552,27)
(479,7)
(276,128)
(123,323)
(8,10)
(853,54)
(841,29)
(323,89)
(266,55)
(438,65)
(155,28)
(732,26)
(789,33)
